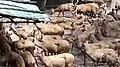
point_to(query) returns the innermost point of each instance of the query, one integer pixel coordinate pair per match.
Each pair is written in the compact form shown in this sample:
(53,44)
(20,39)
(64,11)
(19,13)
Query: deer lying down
(29,59)
(16,60)
(60,60)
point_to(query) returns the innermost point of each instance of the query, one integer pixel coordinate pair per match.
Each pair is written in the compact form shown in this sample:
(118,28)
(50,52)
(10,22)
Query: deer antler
(77,2)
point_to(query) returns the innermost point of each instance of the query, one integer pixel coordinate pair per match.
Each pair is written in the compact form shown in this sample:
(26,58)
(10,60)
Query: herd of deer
(91,9)
(87,8)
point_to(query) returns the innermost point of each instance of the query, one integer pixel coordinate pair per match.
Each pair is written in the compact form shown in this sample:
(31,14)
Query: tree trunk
(4,46)
(41,4)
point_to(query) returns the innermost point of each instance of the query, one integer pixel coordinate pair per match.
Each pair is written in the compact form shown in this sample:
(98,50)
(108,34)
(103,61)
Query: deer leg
(95,64)
(56,53)
(72,47)
(75,13)
(117,65)
(118,52)
(72,12)
(110,65)
(63,13)
(84,60)
(113,65)
(59,14)
(52,53)
(47,53)
(117,13)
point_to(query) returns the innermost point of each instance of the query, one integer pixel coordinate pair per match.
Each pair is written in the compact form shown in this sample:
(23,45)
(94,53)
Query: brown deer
(66,7)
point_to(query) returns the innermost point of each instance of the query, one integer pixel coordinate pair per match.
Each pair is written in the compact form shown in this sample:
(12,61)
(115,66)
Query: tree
(41,4)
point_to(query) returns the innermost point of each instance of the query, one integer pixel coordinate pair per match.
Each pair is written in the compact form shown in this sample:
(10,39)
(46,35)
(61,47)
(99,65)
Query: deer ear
(52,10)
(73,5)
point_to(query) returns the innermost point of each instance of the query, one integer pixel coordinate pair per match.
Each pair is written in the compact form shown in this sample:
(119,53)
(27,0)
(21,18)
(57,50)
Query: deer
(66,7)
